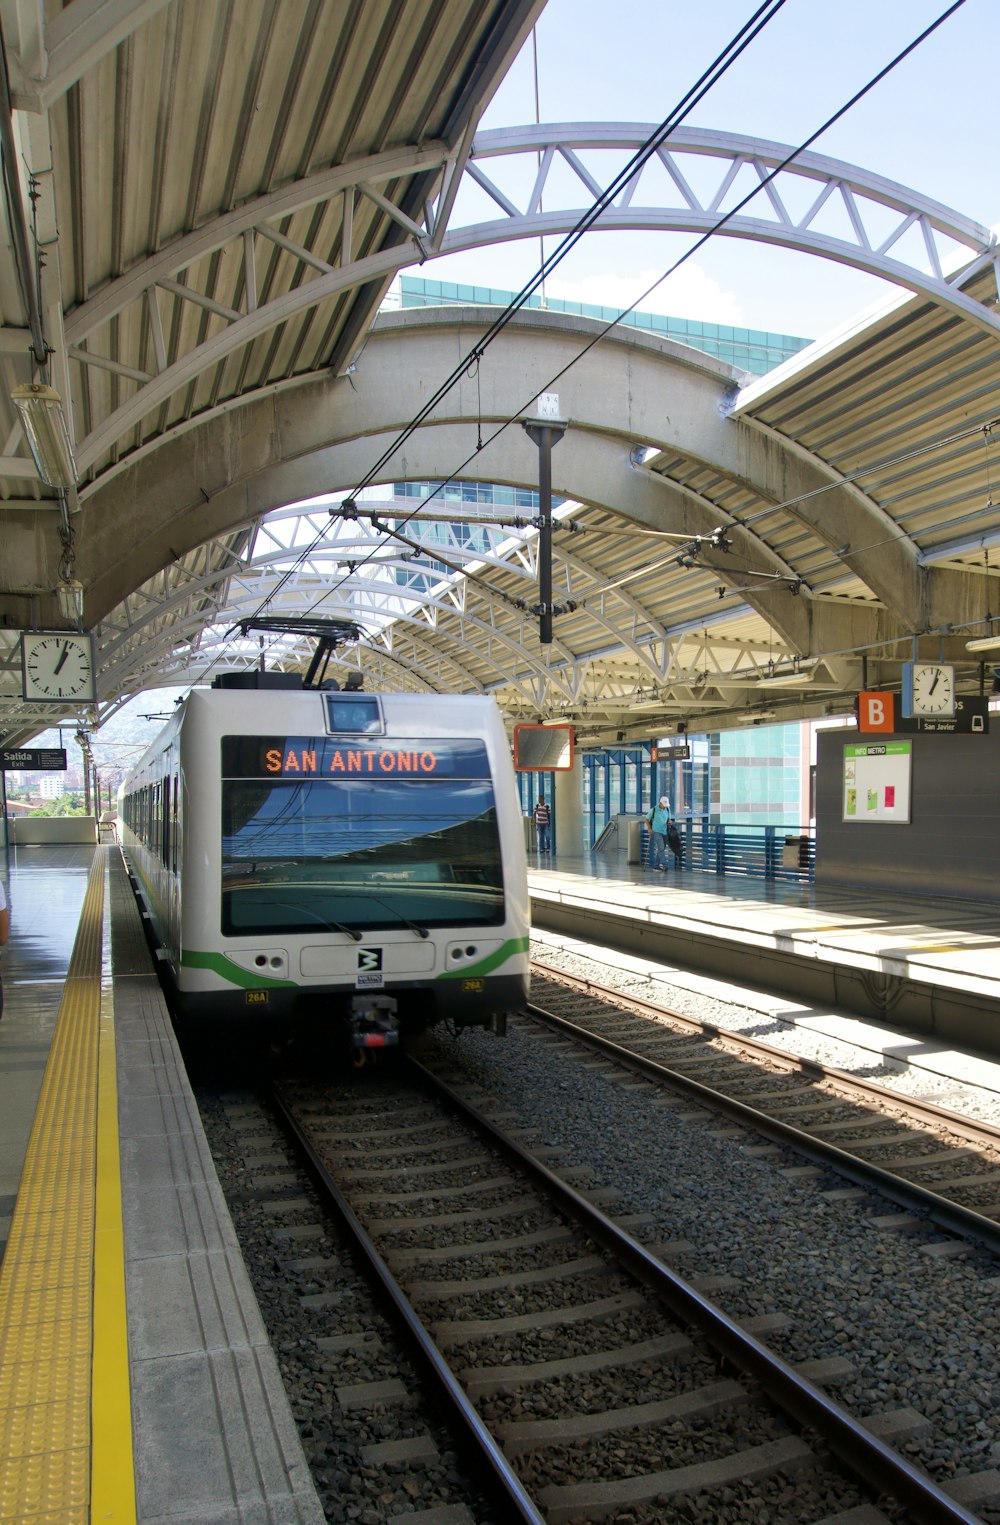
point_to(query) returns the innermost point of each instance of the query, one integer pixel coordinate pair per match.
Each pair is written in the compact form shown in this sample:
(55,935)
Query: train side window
(167,823)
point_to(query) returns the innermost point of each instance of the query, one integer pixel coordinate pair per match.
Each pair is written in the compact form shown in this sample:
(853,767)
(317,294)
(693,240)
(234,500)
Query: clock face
(56,666)
(933,689)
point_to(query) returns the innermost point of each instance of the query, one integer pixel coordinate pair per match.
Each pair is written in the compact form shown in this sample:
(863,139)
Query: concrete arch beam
(324,435)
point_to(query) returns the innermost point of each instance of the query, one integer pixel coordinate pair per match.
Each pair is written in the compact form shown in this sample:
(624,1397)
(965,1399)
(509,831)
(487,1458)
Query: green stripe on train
(250,980)
(514,945)
(247,979)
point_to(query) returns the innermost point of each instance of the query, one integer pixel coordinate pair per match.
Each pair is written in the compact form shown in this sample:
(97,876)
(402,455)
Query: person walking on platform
(675,843)
(543,825)
(657,819)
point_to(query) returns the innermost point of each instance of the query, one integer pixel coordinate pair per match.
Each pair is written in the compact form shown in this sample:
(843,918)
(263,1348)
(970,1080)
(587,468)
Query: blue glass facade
(750,777)
(748,349)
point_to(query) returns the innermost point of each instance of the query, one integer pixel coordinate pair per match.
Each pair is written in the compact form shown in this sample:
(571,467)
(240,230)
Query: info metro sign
(33,759)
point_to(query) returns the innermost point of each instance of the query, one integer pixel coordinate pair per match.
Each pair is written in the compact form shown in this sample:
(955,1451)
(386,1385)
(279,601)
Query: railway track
(920,1156)
(594,1382)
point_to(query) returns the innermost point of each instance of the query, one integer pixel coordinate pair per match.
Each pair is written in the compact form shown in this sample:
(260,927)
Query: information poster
(877,782)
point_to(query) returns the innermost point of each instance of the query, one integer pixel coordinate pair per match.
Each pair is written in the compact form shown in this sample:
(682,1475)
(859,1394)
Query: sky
(930,125)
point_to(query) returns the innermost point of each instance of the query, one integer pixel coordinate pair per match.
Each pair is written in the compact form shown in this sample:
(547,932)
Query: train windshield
(320,836)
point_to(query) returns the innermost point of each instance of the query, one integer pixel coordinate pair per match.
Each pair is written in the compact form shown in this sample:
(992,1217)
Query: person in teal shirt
(657,819)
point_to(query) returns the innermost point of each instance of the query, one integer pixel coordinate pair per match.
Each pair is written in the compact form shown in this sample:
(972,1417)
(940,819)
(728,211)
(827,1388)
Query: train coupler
(373,1022)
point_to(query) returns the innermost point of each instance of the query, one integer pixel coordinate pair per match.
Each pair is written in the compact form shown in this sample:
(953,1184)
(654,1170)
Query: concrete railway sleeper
(597,1383)
(921,1157)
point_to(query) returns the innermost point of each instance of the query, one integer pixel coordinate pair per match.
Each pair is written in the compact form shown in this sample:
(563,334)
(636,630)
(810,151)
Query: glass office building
(753,777)
(747,349)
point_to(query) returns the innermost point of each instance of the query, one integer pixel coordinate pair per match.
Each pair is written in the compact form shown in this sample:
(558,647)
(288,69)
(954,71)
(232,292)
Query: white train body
(312,853)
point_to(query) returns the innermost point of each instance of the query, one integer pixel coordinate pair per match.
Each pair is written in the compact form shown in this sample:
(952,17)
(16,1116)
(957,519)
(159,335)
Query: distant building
(51,786)
(755,777)
(747,349)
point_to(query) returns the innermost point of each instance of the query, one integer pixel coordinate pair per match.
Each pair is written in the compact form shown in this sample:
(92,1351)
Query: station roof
(223,199)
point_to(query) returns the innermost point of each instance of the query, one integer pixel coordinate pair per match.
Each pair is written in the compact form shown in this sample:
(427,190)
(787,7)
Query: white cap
(664,800)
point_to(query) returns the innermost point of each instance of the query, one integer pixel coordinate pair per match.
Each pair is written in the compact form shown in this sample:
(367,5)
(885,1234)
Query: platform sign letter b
(876,712)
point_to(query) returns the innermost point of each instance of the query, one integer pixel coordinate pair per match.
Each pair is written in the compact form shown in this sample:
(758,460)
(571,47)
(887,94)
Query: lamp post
(546,429)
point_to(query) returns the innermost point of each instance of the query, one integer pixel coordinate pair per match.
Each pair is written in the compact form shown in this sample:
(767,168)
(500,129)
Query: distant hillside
(122,741)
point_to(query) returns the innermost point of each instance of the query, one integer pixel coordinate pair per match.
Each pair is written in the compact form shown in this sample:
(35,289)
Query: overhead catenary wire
(729,54)
(696,92)
(659,535)
(682,259)
(692,97)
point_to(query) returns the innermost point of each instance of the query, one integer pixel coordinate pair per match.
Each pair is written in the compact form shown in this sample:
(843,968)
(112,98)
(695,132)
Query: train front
(372,866)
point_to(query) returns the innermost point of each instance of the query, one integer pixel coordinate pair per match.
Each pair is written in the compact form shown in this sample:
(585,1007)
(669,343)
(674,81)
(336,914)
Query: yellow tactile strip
(62,1265)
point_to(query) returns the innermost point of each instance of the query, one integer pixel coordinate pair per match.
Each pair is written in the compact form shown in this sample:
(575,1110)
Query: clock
(928,689)
(57,667)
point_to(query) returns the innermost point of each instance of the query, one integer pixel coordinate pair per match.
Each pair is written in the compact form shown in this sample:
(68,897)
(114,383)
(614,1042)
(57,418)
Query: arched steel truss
(180,625)
(846,214)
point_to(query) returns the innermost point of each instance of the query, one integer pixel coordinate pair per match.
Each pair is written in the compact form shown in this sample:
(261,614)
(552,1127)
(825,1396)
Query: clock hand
(62,659)
(934,682)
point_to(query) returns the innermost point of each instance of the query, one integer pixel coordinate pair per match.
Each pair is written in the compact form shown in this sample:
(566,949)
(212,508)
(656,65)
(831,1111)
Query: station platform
(929,967)
(136,1377)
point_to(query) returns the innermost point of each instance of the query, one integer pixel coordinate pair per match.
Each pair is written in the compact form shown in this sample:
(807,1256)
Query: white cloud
(689,293)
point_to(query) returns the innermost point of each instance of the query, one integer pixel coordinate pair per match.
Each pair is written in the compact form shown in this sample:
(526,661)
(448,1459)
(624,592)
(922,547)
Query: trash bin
(795,852)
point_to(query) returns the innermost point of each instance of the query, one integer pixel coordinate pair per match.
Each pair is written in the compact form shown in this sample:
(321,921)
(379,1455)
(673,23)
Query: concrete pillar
(568,835)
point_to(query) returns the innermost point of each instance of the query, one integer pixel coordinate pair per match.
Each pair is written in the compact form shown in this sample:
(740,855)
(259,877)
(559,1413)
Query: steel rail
(806,1405)
(926,1111)
(963,1221)
(518,1504)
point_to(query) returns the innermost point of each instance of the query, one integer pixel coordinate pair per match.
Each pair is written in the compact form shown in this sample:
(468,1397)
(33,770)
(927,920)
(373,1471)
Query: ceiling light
(45,429)
(984,643)
(70,596)
(800,673)
(782,680)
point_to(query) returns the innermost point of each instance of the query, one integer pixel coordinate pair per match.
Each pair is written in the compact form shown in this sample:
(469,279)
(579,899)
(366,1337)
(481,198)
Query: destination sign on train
(315,757)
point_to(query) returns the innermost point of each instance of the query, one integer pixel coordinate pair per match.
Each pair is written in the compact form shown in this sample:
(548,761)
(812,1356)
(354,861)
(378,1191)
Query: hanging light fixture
(799,675)
(44,423)
(985,642)
(69,594)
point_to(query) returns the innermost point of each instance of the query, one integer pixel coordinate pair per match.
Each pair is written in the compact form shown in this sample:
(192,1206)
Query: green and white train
(347,858)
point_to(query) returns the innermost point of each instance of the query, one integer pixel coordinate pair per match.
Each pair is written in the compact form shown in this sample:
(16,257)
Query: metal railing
(786,855)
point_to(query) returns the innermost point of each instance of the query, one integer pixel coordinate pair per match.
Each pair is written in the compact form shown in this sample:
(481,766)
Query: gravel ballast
(919,1328)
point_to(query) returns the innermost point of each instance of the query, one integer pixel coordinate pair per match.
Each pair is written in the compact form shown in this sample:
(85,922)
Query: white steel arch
(852,216)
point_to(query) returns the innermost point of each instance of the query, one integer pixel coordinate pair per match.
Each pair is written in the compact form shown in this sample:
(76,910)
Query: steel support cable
(692,97)
(722,221)
(698,244)
(716,227)
(682,259)
(710,76)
